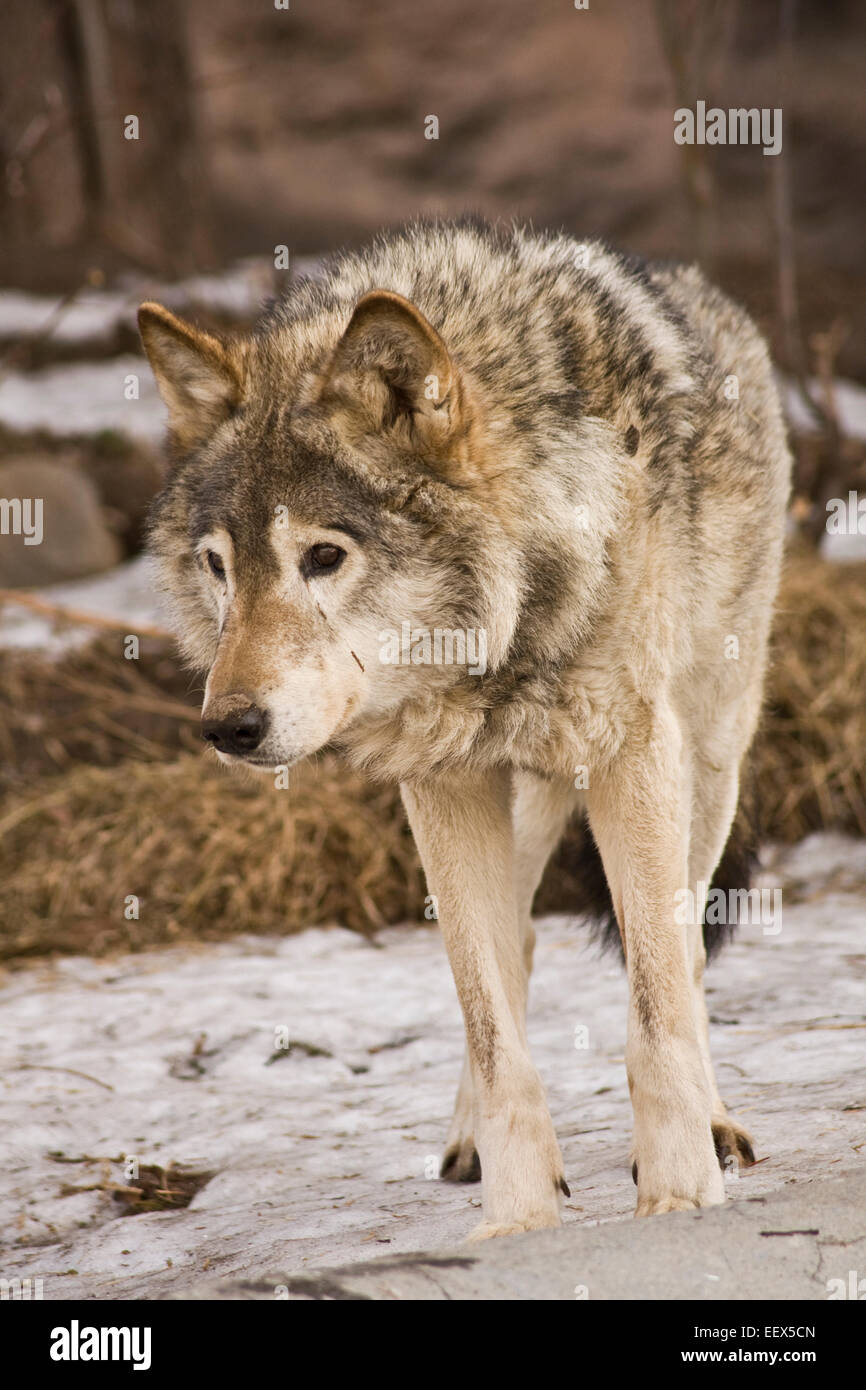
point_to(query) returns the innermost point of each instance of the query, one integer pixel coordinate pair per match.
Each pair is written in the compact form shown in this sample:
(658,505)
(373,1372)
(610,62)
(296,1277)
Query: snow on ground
(846,548)
(95,315)
(850,399)
(324,1156)
(91,317)
(81,398)
(126,593)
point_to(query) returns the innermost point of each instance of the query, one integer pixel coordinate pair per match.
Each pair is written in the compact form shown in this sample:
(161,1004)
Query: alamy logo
(847,518)
(22,516)
(737,126)
(438,646)
(854,1288)
(76,1343)
(748,906)
(20,1289)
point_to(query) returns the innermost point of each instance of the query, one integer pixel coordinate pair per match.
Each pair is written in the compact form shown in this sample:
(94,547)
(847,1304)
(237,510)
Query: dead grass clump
(206,854)
(810,755)
(92,706)
(153,1188)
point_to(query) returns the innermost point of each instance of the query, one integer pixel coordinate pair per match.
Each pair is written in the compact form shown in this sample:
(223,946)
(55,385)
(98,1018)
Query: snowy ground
(325,1159)
(85,397)
(93,316)
(125,593)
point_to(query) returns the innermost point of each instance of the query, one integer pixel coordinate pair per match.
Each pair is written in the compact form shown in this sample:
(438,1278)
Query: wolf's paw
(461,1162)
(732,1141)
(661,1197)
(676,1171)
(655,1206)
(486,1230)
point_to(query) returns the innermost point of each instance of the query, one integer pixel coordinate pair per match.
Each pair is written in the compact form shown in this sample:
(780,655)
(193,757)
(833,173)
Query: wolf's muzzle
(240,733)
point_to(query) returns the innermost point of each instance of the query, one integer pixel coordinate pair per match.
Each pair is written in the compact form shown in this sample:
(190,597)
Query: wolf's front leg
(540,812)
(463,829)
(639,815)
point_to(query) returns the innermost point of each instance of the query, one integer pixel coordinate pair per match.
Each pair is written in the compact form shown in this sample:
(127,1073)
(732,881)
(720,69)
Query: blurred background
(205,152)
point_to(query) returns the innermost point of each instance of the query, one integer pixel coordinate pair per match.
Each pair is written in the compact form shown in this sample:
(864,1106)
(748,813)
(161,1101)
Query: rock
(52,526)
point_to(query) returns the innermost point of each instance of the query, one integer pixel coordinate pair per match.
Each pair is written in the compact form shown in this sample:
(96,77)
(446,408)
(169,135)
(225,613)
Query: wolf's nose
(240,733)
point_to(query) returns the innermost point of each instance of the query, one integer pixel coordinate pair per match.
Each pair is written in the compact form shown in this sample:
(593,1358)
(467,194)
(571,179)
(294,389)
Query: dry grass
(107,796)
(207,855)
(93,708)
(810,755)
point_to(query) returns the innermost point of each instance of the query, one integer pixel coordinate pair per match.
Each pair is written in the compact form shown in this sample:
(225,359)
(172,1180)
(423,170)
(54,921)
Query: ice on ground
(325,1155)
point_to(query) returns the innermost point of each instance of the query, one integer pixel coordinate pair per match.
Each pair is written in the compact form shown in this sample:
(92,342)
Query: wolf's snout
(240,732)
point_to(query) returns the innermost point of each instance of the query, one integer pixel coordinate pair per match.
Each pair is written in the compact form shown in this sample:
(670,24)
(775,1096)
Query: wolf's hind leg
(715,802)
(461,1162)
(541,812)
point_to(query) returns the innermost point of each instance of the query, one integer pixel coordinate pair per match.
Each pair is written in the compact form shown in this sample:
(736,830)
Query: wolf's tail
(577,873)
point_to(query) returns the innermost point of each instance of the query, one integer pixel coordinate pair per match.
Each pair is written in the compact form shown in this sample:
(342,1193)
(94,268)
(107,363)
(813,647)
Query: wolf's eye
(215,564)
(323,557)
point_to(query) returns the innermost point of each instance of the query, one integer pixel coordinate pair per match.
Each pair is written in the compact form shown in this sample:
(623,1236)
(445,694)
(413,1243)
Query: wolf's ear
(199,377)
(391,367)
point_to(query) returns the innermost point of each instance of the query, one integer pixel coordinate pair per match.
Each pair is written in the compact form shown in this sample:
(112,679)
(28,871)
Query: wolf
(491,429)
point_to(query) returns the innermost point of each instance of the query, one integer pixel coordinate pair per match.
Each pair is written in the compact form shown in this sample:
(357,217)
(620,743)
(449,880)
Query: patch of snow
(850,403)
(844,549)
(126,592)
(238,292)
(822,860)
(325,1159)
(94,315)
(84,398)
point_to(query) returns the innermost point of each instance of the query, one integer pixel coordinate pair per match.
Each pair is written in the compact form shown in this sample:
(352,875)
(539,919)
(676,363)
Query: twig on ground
(60,612)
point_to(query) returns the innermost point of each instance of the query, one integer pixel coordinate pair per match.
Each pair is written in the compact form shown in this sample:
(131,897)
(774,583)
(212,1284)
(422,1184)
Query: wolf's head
(329,509)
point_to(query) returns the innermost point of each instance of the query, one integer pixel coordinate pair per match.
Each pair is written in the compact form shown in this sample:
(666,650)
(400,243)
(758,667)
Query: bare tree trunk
(695,39)
(41,197)
(821,471)
(156,204)
(71,72)
(783,219)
